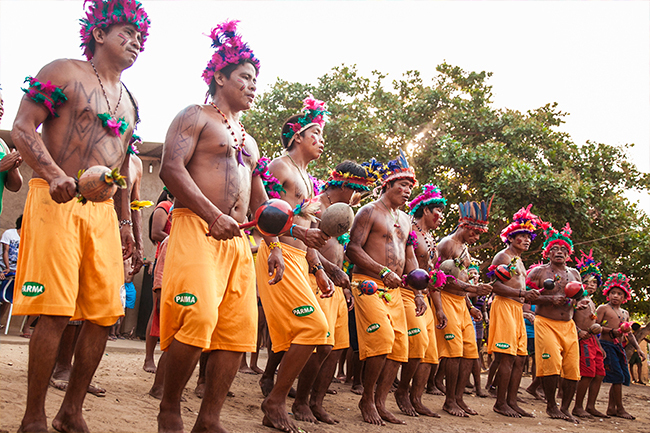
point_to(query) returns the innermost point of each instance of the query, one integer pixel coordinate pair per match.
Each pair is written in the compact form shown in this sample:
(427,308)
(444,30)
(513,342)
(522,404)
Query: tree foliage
(472,150)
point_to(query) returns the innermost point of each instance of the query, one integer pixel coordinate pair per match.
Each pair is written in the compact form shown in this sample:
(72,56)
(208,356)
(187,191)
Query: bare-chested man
(295,319)
(10,161)
(88,118)
(507,338)
(345,184)
(611,316)
(457,341)
(426,211)
(592,369)
(556,340)
(380,253)
(208,300)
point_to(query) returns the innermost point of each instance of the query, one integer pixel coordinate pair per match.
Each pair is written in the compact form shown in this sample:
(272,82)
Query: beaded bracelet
(291,232)
(317,267)
(126,223)
(213,223)
(419,295)
(384,271)
(274,245)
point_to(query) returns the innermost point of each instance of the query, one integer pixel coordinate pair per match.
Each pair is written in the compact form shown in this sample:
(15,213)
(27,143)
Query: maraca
(502,272)
(98,183)
(336,219)
(272,218)
(417,279)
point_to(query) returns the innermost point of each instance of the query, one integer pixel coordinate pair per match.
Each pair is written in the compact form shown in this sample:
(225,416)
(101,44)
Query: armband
(344,239)
(274,245)
(47,94)
(126,223)
(412,240)
(271,183)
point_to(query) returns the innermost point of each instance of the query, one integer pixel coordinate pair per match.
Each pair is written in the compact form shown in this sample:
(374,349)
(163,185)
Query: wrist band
(419,295)
(125,223)
(611,334)
(317,267)
(291,232)
(274,245)
(213,223)
(384,271)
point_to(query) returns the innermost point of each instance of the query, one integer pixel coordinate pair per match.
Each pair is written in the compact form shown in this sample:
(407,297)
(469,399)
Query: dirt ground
(128,408)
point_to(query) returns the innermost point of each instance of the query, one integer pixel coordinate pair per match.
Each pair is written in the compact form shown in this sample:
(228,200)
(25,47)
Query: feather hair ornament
(104,13)
(524,221)
(554,237)
(308,209)
(620,281)
(314,113)
(430,195)
(587,266)
(229,50)
(398,169)
(475,215)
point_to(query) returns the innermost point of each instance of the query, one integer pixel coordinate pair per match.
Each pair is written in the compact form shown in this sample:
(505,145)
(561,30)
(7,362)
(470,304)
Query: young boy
(611,316)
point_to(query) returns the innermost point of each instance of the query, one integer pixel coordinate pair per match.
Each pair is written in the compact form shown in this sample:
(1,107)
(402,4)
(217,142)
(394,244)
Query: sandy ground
(128,408)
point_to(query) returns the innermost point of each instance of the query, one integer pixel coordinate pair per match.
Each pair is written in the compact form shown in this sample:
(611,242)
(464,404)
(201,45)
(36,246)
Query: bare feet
(492,391)
(556,413)
(199,390)
(156,392)
(357,389)
(504,409)
(169,422)
(536,393)
(256,369)
(521,411)
(404,403)
(369,412)
(422,409)
(276,417)
(39,426)
(302,412)
(580,412)
(65,422)
(93,389)
(570,418)
(434,391)
(621,414)
(466,408)
(454,409)
(321,415)
(481,393)
(246,370)
(388,416)
(596,413)
(266,385)
(149,366)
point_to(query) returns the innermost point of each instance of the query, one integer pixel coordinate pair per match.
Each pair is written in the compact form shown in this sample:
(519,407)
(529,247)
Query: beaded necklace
(395,216)
(310,191)
(238,147)
(426,235)
(116,126)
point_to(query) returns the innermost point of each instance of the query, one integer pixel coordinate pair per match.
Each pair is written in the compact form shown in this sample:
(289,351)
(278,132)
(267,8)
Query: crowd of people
(216,287)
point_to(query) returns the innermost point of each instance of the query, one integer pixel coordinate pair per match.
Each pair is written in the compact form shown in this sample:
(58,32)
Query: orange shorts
(556,348)
(381,326)
(458,338)
(507,328)
(431,354)
(69,260)
(336,312)
(208,289)
(416,326)
(293,314)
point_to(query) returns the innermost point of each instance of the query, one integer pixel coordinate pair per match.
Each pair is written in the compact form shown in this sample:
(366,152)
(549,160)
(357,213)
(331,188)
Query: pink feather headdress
(430,195)
(314,113)
(230,50)
(620,281)
(553,237)
(104,13)
(524,221)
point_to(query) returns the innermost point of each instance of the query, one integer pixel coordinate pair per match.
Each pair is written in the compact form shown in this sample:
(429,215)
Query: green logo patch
(546,355)
(328,334)
(32,289)
(372,328)
(502,346)
(185,299)
(414,331)
(449,337)
(303,311)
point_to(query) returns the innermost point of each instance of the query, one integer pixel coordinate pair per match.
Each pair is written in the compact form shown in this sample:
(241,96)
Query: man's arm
(359,233)
(336,274)
(10,163)
(136,216)
(411,264)
(5,256)
(123,209)
(445,252)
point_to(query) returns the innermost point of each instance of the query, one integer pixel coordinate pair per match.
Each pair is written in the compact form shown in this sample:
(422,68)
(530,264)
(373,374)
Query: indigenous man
(380,253)
(426,213)
(556,341)
(10,160)
(208,298)
(614,319)
(345,184)
(457,341)
(59,275)
(295,319)
(507,338)
(592,369)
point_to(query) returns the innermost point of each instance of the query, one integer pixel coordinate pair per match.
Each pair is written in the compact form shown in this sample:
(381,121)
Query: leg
(615,407)
(221,369)
(439,380)
(513,387)
(431,380)
(156,390)
(581,391)
(43,349)
(465,369)
(568,391)
(274,406)
(476,373)
(300,407)
(594,389)
(533,388)
(63,364)
(452,365)
(386,378)
(550,386)
(181,361)
(200,381)
(494,366)
(321,384)
(357,368)
(417,389)
(89,351)
(268,377)
(502,379)
(150,341)
(243,367)
(402,392)
(372,369)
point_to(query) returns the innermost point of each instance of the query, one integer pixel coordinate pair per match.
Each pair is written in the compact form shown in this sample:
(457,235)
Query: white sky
(593,58)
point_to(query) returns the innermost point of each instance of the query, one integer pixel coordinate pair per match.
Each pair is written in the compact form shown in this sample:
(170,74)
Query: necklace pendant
(396,225)
(117,127)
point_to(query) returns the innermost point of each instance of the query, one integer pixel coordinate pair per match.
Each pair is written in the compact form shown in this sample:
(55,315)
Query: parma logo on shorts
(546,355)
(413,331)
(32,289)
(502,346)
(328,334)
(185,299)
(449,337)
(372,328)
(303,311)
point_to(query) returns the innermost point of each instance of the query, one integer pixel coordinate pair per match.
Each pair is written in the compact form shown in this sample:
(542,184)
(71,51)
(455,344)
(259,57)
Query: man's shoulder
(62,71)
(501,257)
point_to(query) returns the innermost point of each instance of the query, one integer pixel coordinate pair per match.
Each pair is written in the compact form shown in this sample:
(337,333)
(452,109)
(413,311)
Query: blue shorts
(130,295)
(616,370)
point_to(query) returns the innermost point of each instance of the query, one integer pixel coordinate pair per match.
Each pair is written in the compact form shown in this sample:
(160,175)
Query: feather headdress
(474,215)
(430,195)
(104,13)
(618,280)
(340,179)
(553,237)
(587,266)
(314,113)
(230,50)
(522,222)
(398,169)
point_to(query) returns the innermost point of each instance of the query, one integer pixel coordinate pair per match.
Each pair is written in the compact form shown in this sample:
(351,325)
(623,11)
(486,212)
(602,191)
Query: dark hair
(636,326)
(419,213)
(350,167)
(165,195)
(227,72)
(286,128)
(19,222)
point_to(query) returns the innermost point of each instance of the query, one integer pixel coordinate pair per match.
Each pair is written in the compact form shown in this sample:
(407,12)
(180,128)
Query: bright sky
(593,58)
